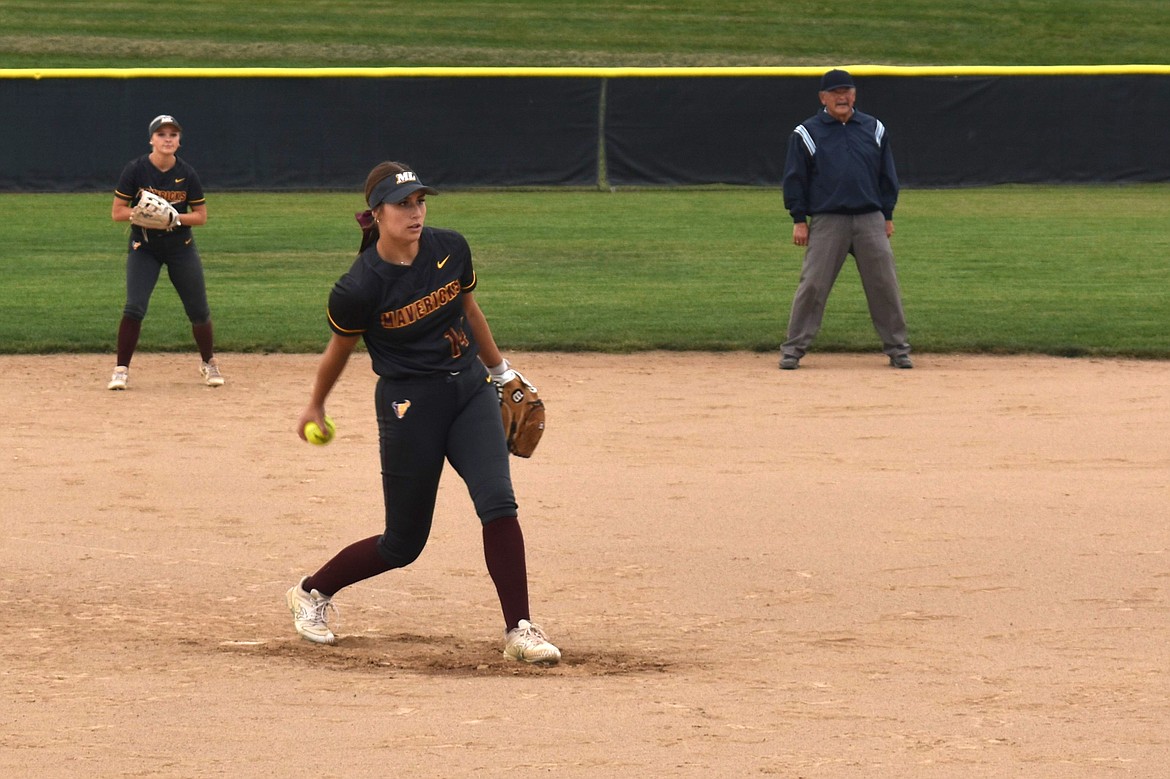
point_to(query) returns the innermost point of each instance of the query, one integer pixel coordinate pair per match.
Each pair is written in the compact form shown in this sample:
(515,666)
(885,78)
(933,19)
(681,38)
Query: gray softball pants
(423,423)
(144,264)
(830,238)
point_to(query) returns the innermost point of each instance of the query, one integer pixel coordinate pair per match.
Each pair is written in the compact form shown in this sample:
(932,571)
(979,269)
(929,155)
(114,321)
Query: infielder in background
(841,188)
(409,295)
(164,174)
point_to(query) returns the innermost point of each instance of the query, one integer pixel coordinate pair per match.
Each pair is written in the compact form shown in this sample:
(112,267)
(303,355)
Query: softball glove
(154,212)
(522,412)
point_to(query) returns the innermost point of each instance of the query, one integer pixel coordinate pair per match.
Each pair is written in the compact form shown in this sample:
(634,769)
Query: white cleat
(527,642)
(119,379)
(308,610)
(211,374)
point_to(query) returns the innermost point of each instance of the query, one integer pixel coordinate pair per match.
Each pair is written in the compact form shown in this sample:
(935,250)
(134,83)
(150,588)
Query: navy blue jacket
(839,168)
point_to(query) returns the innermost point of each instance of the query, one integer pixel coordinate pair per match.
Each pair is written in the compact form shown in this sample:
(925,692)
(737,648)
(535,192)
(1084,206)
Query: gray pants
(444,418)
(144,263)
(830,238)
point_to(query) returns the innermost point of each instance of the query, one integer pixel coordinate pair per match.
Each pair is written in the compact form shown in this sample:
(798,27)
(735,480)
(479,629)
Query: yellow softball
(315,435)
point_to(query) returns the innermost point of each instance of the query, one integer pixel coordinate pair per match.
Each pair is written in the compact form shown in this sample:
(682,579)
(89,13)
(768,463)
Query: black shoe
(789,362)
(901,361)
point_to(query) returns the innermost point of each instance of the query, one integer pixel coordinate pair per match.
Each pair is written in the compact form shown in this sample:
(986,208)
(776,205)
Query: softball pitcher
(409,296)
(164,174)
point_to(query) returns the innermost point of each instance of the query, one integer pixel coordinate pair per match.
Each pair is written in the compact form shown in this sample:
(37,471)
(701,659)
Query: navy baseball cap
(161,120)
(398,187)
(836,79)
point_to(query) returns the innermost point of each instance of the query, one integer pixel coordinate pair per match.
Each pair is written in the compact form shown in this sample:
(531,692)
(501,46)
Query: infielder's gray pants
(144,263)
(830,238)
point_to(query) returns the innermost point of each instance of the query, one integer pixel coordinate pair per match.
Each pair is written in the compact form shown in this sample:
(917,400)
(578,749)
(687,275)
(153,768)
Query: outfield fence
(323,128)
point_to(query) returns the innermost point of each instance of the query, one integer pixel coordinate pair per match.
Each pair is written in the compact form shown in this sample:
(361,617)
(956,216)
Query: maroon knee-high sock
(503,549)
(360,560)
(128,331)
(204,340)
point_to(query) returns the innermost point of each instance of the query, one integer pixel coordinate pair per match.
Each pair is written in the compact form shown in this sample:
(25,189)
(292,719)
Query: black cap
(162,119)
(835,79)
(397,187)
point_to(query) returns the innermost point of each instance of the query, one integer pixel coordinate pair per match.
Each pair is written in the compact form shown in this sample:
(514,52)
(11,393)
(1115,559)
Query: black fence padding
(66,134)
(960,131)
(701,130)
(270,133)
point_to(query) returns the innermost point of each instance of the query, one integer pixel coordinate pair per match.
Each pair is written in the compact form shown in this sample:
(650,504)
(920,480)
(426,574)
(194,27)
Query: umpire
(841,188)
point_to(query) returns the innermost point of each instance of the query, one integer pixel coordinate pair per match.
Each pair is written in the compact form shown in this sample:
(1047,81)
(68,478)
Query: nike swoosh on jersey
(443,261)
(180,181)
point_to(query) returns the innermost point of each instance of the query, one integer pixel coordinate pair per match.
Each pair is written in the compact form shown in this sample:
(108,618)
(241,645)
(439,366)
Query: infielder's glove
(522,411)
(154,212)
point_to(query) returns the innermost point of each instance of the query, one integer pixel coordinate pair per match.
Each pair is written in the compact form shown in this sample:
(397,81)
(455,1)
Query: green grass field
(1070,270)
(316,33)
(1056,270)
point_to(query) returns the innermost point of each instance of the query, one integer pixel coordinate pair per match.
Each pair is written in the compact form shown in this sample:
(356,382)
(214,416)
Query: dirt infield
(843,571)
